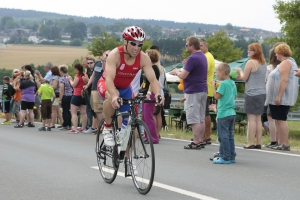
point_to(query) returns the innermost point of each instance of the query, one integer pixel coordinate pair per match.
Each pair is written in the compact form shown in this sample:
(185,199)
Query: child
(47,94)
(6,98)
(225,95)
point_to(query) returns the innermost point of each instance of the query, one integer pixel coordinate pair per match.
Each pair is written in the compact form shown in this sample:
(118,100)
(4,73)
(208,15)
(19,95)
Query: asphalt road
(57,165)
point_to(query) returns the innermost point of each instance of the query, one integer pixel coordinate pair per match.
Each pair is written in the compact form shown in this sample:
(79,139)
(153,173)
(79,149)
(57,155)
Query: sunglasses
(135,44)
(90,63)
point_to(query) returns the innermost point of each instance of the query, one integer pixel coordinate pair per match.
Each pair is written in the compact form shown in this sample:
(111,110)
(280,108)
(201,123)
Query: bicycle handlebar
(140,98)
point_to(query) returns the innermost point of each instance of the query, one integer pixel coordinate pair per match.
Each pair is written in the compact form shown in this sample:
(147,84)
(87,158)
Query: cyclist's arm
(110,69)
(149,72)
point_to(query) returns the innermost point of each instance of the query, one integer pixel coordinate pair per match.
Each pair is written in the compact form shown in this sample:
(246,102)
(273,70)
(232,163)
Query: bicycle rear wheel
(106,157)
(141,158)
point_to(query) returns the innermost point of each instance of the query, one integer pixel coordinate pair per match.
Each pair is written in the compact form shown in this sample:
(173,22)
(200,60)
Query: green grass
(239,137)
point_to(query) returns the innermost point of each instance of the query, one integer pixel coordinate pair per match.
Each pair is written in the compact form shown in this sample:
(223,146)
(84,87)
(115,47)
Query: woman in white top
(273,62)
(282,92)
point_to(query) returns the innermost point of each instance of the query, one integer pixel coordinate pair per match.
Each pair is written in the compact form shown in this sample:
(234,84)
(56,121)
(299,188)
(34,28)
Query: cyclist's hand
(115,104)
(159,99)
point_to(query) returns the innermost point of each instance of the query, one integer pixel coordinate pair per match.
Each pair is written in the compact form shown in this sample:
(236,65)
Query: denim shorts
(77,101)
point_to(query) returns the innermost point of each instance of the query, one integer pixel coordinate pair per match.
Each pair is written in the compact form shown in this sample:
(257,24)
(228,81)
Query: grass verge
(239,137)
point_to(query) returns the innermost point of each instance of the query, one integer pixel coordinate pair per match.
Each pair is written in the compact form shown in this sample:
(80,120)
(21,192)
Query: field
(15,56)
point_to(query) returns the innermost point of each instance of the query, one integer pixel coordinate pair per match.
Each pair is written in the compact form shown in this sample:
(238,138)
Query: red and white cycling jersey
(124,74)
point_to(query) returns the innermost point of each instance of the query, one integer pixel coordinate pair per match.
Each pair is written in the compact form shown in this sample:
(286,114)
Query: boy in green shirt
(6,98)
(225,95)
(47,94)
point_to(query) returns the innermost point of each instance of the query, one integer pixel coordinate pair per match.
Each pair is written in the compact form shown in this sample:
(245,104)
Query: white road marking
(167,187)
(259,150)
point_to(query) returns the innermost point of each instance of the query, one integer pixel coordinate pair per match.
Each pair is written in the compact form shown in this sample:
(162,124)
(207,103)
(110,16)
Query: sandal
(208,141)
(19,126)
(192,146)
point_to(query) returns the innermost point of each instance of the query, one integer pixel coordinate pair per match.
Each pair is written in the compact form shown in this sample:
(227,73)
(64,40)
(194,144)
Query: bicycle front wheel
(141,158)
(106,157)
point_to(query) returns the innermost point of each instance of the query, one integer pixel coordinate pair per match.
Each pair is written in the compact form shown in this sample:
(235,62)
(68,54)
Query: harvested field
(15,56)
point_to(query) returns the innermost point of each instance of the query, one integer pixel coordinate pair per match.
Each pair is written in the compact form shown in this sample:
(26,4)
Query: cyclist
(122,65)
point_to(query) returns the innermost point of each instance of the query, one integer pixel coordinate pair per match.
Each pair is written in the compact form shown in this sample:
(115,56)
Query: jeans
(66,105)
(89,112)
(225,128)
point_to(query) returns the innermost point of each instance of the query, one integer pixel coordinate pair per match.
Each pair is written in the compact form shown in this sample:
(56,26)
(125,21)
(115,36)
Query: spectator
(255,93)
(17,97)
(273,62)
(210,76)
(162,77)
(96,103)
(48,75)
(48,97)
(88,64)
(28,87)
(65,95)
(282,88)
(148,108)
(6,98)
(55,105)
(77,101)
(225,95)
(194,77)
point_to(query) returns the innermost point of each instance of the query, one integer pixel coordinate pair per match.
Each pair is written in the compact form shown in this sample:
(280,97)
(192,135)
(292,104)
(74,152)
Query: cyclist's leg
(108,110)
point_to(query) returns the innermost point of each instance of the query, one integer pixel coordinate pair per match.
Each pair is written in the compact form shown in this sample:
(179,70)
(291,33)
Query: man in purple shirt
(194,77)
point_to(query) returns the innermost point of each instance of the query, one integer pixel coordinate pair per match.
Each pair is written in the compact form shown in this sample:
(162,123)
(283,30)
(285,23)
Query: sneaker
(30,125)
(48,128)
(80,130)
(275,146)
(63,128)
(42,128)
(283,148)
(269,145)
(89,131)
(6,123)
(59,127)
(73,131)
(19,126)
(108,137)
(219,160)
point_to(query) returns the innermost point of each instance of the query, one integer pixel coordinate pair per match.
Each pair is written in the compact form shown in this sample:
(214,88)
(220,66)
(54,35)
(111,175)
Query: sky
(243,13)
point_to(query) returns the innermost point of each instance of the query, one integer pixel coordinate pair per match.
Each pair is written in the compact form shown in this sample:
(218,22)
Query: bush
(76,42)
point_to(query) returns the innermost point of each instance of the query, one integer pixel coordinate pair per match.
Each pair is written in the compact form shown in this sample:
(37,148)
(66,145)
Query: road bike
(137,155)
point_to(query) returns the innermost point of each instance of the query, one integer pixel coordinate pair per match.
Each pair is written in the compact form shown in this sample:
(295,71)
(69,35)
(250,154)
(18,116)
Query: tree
(95,29)
(10,24)
(229,26)
(4,20)
(76,25)
(221,47)
(76,33)
(45,31)
(289,16)
(102,43)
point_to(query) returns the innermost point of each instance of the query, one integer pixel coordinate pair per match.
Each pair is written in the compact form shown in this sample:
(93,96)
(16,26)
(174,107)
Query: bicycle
(140,158)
